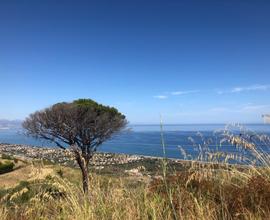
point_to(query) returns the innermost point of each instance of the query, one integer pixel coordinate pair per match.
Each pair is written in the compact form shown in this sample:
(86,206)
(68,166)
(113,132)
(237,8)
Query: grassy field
(186,191)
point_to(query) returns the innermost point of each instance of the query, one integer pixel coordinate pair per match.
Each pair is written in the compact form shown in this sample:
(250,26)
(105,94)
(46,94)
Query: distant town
(64,157)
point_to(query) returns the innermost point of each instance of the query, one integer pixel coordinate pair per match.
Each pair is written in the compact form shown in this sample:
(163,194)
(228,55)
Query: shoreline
(65,157)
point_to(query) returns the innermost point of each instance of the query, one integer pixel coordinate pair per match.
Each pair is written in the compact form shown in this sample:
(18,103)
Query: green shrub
(6,167)
(7,157)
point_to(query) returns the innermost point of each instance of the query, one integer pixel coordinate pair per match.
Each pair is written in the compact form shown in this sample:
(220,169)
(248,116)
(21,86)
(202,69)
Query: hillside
(146,189)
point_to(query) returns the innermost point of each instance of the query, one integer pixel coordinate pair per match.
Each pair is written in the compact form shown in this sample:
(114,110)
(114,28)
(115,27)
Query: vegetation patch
(7,157)
(6,167)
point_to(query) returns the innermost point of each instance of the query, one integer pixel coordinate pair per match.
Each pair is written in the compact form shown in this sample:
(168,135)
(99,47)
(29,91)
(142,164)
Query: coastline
(100,159)
(65,157)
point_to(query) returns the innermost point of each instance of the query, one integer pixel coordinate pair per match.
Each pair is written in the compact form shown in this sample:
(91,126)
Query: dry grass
(24,172)
(198,193)
(12,179)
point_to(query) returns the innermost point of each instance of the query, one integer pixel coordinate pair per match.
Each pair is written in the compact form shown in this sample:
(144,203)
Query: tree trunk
(85,178)
(83,163)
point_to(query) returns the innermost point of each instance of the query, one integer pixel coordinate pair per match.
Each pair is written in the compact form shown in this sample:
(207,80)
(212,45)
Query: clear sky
(191,61)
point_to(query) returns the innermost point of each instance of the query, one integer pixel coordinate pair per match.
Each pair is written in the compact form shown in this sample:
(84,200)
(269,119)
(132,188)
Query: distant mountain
(8,124)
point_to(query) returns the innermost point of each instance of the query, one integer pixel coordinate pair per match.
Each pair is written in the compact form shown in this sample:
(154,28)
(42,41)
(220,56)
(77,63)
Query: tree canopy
(82,122)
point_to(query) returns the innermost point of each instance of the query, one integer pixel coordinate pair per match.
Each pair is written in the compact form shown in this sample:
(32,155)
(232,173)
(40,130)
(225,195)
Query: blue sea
(146,139)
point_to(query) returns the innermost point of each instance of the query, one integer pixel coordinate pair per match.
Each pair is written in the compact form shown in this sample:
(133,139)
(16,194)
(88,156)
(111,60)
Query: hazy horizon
(19,121)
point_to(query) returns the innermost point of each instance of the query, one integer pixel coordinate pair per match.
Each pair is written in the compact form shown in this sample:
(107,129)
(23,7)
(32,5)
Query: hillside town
(64,157)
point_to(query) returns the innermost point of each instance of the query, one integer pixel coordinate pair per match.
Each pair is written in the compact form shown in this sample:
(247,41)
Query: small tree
(81,125)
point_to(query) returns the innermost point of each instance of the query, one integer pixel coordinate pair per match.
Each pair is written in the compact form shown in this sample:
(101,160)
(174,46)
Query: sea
(181,141)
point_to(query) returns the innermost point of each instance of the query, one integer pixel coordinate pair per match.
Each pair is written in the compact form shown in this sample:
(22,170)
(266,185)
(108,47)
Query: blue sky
(190,61)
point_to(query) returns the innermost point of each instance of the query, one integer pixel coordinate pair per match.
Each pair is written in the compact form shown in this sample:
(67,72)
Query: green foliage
(85,102)
(6,167)
(23,184)
(91,104)
(7,157)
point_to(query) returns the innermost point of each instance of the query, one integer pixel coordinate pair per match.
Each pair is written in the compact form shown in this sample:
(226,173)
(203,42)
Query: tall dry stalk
(164,170)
